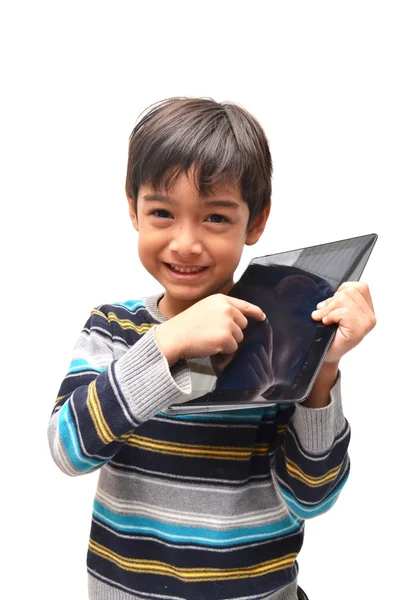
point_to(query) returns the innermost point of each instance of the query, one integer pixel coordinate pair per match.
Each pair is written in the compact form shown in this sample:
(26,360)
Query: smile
(191,272)
(186,269)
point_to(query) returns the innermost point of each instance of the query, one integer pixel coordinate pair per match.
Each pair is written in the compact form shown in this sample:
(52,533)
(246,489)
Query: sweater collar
(151,305)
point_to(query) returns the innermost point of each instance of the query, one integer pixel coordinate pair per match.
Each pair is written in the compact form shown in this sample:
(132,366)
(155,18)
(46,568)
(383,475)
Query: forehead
(186,186)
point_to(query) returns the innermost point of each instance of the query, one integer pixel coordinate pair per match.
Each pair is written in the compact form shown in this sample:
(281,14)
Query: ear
(257,227)
(133,214)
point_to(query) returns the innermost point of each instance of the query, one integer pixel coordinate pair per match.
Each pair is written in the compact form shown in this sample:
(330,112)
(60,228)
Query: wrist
(166,345)
(319,396)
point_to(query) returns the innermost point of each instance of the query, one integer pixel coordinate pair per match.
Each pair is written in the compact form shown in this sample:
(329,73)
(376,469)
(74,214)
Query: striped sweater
(198,507)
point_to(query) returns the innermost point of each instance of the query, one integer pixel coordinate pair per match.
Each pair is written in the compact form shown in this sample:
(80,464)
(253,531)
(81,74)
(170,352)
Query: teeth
(187,270)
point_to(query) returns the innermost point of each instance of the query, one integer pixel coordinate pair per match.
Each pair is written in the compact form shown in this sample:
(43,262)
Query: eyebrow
(209,203)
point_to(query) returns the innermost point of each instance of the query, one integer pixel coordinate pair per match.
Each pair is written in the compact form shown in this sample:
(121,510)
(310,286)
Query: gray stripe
(191,498)
(95,349)
(189,478)
(120,347)
(101,590)
(198,518)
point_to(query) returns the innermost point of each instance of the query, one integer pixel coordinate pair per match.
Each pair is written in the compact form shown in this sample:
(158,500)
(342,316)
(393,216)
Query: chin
(189,296)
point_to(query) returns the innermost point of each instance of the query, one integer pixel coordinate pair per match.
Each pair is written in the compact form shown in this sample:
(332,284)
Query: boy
(206,506)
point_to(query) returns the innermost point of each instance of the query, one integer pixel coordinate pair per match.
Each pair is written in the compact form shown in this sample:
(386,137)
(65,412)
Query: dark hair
(222,142)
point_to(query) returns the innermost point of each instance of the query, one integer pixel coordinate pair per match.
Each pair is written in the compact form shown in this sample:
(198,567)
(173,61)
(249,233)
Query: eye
(218,219)
(162,214)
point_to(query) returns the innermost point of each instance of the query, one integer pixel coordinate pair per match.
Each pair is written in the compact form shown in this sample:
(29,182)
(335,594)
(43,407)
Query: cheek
(146,250)
(149,241)
(229,252)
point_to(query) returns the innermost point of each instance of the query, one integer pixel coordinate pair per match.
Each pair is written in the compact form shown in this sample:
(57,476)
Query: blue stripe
(80,364)
(69,438)
(269,412)
(240,416)
(198,535)
(305,512)
(131,305)
(283,406)
(248,415)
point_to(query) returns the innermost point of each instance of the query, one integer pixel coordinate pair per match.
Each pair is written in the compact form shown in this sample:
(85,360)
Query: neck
(170,306)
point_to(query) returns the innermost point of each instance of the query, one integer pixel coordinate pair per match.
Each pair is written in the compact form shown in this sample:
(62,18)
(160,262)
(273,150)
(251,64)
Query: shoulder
(126,320)
(129,311)
(122,324)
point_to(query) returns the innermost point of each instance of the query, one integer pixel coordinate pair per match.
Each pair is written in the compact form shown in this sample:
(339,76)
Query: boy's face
(191,244)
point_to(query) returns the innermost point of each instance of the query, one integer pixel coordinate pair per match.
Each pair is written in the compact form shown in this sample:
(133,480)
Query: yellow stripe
(124,323)
(260,450)
(282,428)
(127,324)
(59,399)
(192,574)
(102,428)
(297,473)
(195,450)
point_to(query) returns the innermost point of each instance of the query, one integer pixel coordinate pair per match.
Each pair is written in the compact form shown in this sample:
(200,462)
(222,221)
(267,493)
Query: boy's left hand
(352,309)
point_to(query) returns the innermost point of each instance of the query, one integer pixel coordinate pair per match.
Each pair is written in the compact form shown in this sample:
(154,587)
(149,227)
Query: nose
(186,243)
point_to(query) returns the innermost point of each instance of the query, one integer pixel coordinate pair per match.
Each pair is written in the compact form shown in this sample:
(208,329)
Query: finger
(343,316)
(324,303)
(239,318)
(248,309)
(230,345)
(336,315)
(237,333)
(363,301)
(361,287)
(356,289)
(349,297)
(348,306)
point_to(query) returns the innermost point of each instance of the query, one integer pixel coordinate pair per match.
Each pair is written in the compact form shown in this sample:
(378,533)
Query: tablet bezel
(302,385)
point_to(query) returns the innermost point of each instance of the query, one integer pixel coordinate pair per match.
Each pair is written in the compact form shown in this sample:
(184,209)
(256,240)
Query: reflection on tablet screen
(273,351)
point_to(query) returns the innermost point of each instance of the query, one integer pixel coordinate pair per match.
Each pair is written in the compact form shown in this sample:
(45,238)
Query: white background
(320,77)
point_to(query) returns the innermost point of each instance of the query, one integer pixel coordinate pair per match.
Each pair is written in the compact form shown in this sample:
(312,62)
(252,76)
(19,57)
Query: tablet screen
(279,358)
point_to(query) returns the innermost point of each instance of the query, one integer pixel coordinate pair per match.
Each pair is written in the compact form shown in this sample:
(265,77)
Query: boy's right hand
(213,325)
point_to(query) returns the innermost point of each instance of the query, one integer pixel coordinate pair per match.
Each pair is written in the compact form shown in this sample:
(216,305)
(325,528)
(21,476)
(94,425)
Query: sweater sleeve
(310,461)
(102,400)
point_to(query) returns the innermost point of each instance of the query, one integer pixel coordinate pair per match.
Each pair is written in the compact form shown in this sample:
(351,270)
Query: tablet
(279,358)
